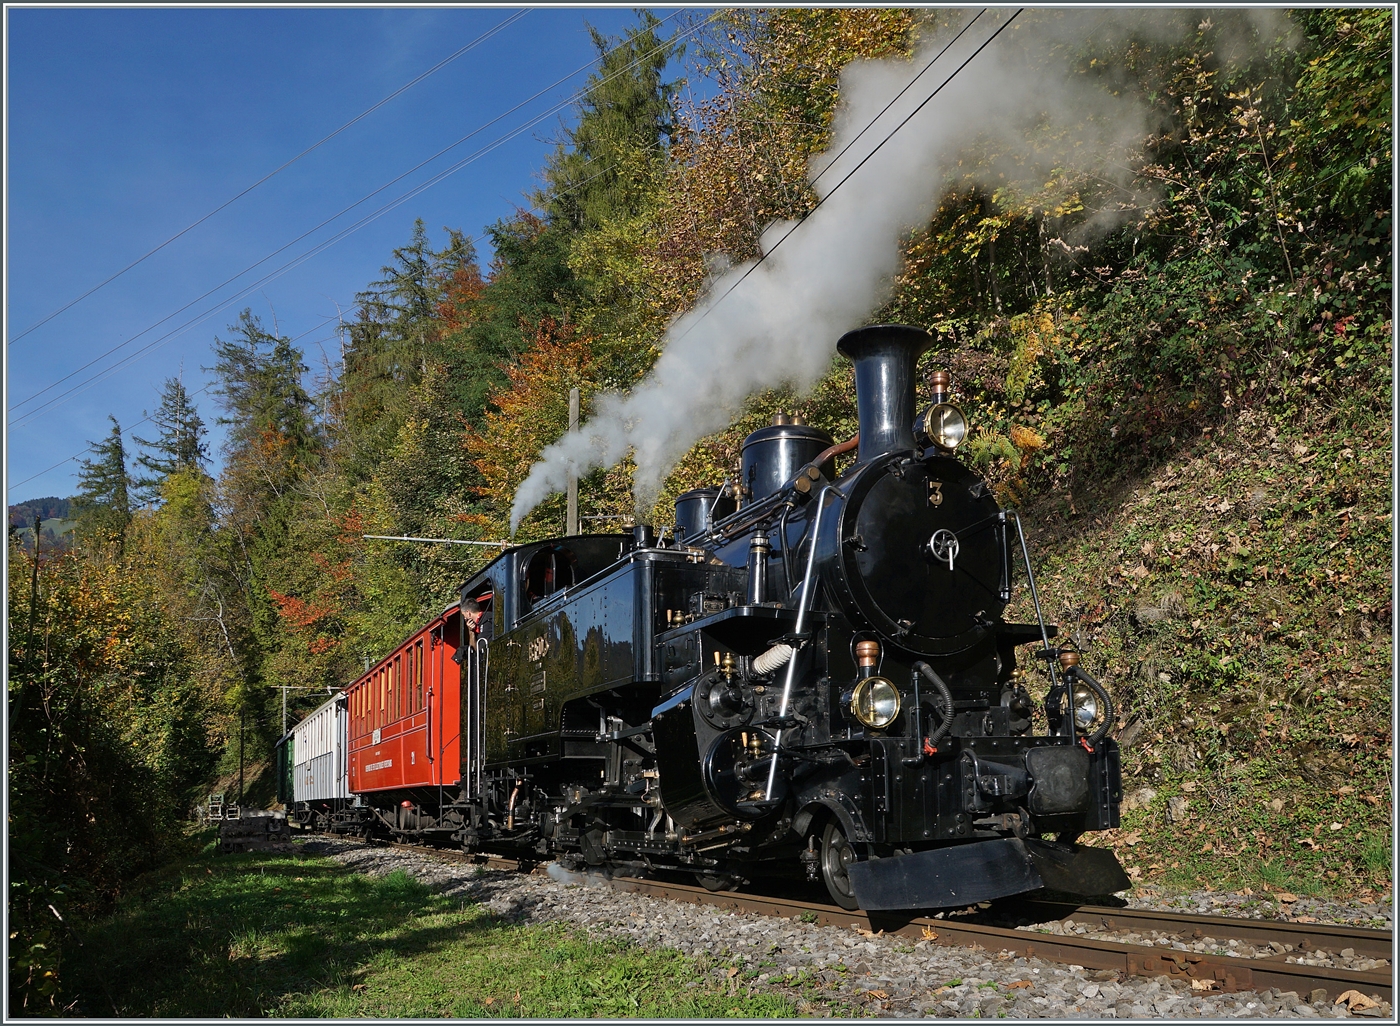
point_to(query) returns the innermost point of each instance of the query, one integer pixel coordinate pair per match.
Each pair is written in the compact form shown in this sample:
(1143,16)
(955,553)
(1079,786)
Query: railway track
(1267,951)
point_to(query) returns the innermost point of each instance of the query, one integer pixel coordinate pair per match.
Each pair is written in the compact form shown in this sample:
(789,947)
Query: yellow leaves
(1026,439)
(531,410)
(1033,333)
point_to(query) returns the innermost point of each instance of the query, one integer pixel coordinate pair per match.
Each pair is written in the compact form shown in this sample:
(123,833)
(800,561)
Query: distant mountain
(50,507)
(56,528)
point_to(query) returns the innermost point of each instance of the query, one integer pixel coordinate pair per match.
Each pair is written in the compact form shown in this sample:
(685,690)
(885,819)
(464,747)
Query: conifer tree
(179,444)
(602,169)
(102,506)
(260,386)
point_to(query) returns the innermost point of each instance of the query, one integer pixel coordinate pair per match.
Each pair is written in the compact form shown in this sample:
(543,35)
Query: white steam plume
(780,326)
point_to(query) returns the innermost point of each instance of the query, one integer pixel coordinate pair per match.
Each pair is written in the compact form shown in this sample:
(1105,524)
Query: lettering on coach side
(379,765)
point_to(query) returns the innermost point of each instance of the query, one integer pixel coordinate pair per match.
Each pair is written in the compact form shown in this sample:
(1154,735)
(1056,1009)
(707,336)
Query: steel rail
(1225,973)
(1368,942)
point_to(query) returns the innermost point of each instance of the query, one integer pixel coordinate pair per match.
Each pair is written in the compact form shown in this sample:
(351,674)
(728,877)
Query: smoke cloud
(1018,98)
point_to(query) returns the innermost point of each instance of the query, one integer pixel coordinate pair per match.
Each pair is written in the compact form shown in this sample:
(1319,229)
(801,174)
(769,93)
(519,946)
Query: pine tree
(406,321)
(179,444)
(260,386)
(604,166)
(102,506)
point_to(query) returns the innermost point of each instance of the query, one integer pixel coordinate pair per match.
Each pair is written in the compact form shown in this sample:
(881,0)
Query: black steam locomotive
(814,670)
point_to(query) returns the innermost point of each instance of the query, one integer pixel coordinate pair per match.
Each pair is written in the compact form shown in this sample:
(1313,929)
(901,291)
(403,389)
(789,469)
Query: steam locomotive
(813,671)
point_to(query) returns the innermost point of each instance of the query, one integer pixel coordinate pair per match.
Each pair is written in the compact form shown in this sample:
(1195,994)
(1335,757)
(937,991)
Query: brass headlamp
(942,423)
(875,700)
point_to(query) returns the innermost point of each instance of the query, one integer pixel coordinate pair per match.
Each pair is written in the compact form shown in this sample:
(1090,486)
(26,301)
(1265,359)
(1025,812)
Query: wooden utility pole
(571,516)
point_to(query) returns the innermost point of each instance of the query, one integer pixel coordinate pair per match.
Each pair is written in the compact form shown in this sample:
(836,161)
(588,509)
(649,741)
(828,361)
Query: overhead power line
(847,177)
(314,146)
(321,247)
(147,419)
(342,234)
(416,190)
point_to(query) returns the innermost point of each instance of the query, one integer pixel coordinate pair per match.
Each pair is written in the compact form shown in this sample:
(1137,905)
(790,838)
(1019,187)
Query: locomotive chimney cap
(884,356)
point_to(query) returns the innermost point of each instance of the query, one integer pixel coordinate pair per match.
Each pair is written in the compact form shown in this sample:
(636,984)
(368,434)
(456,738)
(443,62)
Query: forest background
(1192,412)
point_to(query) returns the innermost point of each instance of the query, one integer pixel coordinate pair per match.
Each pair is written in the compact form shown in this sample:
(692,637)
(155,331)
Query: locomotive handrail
(798,637)
(1048,652)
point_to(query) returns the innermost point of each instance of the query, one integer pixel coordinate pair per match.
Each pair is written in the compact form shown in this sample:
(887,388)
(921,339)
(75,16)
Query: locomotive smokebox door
(923,553)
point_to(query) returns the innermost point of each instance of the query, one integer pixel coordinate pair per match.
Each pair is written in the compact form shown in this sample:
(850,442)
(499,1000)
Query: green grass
(281,935)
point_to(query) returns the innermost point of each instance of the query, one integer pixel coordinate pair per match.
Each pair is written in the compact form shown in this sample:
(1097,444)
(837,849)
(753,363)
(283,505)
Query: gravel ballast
(830,971)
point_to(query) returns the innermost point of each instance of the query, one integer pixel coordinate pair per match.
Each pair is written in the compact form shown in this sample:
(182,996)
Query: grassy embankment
(286,935)
(1237,600)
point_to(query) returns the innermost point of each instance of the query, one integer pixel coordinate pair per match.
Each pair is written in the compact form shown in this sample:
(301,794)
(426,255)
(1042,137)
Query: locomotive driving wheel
(837,857)
(717,881)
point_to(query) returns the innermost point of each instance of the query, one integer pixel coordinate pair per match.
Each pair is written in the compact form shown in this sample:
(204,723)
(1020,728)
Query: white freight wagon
(319,782)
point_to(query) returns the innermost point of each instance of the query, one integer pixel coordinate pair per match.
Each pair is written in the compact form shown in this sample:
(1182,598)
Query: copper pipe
(510,807)
(837,449)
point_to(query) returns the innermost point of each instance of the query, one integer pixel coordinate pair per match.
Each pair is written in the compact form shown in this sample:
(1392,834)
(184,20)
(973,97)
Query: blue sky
(124,126)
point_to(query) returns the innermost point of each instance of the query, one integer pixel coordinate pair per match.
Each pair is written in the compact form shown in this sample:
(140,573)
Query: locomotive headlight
(875,702)
(943,425)
(1086,707)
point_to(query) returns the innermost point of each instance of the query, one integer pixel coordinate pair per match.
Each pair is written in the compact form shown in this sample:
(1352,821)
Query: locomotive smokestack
(884,355)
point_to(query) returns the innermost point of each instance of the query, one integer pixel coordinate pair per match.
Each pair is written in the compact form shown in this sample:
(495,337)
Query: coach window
(418,670)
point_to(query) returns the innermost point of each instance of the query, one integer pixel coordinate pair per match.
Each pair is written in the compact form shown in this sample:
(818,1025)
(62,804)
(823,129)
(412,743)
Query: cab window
(550,570)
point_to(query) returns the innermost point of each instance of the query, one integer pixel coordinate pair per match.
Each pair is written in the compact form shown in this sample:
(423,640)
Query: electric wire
(797,224)
(82,386)
(499,141)
(314,146)
(150,416)
(107,372)
(202,317)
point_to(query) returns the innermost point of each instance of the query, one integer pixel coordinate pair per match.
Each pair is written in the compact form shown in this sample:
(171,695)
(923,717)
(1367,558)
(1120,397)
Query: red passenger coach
(404,725)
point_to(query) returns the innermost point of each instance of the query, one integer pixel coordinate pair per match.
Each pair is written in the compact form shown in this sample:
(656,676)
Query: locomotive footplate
(983,870)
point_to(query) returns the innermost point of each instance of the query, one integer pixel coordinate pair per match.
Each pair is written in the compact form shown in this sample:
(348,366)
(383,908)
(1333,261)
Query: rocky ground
(1378,915)
(838,972)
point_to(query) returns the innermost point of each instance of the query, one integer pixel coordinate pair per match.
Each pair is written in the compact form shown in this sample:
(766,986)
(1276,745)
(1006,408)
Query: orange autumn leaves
(532,408)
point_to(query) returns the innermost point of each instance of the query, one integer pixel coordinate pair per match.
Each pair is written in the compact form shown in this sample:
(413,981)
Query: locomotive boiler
(813,671)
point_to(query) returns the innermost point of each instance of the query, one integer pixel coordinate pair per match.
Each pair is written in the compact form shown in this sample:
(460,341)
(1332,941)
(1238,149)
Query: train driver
(471,614)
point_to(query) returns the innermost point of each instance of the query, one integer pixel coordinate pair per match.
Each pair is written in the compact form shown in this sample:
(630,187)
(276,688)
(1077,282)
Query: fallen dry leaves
(1355,1001)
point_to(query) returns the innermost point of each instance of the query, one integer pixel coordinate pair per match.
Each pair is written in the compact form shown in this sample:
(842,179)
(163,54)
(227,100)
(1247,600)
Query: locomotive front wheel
(837,857)
(717,881)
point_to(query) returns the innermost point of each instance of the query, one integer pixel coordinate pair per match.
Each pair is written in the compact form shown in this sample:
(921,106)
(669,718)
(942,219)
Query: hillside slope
(1237,601)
